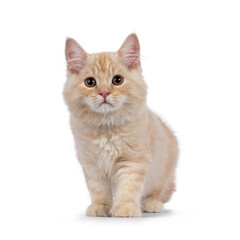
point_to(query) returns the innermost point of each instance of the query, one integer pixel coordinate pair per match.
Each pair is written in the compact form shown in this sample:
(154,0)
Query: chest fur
(107,149)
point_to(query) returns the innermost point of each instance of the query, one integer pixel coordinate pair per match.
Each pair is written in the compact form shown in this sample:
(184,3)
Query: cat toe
(152,205)
(126,210)
(97,210)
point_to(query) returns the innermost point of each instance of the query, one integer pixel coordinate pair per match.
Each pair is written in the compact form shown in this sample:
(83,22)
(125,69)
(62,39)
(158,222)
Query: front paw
(127,209)
(98,210)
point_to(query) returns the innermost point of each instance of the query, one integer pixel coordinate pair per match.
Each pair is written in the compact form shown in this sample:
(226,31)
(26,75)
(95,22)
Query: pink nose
(104,94)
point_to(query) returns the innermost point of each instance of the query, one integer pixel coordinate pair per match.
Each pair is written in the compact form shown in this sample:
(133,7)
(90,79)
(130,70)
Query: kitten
(127,153)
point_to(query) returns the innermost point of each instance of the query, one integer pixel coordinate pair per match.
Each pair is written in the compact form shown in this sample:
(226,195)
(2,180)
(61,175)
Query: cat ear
(75,56)
(129,52)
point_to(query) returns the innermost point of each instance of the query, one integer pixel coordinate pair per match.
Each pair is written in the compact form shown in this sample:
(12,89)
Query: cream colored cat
(127,152)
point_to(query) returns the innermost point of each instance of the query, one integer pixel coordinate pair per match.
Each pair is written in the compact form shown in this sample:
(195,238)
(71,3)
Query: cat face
(104,82)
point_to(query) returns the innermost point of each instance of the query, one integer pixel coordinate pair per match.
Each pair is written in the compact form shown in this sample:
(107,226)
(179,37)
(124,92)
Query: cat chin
(106,108)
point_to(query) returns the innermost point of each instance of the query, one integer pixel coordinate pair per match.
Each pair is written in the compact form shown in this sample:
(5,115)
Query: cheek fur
(133,90)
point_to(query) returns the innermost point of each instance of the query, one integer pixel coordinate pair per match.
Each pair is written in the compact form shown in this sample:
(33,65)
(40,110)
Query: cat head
(104,83)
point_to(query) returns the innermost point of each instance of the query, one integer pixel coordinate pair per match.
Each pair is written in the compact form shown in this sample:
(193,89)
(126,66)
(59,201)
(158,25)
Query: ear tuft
(129,52)
(75,56)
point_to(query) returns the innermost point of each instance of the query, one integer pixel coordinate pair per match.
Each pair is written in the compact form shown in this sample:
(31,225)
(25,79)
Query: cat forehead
(103,62)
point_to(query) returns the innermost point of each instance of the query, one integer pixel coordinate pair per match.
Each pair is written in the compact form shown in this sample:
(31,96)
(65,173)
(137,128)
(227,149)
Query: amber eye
(90,82)
(117,80)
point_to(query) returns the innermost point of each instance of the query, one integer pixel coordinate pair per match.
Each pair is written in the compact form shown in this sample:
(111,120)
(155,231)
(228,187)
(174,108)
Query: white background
(190,59)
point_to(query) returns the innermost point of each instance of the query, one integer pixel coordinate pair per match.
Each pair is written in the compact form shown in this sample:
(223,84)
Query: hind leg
(152,203)
(167,191)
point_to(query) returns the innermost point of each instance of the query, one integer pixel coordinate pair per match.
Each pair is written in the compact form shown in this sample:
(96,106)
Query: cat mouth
(105,103)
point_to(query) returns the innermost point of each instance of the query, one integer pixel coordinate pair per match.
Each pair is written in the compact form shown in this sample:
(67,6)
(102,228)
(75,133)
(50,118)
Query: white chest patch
(107,151)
